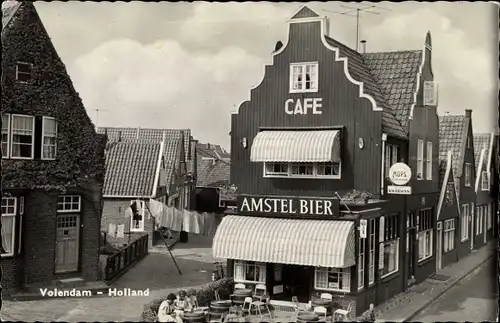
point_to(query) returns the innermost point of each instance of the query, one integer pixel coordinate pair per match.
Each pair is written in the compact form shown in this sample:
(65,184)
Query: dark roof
(213,169)
(396,73)
(452,137)
(305,12)
(360,72)
(131,168)
(8,13)
(216,148)
(481,140)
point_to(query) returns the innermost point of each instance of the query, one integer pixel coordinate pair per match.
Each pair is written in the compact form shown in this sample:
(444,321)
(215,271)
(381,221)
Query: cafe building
(334,157)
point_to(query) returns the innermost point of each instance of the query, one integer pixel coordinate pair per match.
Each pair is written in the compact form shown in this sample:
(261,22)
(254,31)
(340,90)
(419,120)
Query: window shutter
(430,97)
(38,136)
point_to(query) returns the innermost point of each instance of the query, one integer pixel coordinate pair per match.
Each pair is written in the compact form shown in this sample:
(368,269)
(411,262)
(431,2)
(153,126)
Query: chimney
(363,46)
(138,130)
(208,145)
(119,136)
(468,113)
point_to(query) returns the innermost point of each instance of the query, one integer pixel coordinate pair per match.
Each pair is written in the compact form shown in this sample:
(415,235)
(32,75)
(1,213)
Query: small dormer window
(303,77)
(23,72)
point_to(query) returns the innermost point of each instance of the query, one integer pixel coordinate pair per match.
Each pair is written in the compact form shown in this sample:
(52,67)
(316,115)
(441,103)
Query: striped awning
(296,146)
(286,241)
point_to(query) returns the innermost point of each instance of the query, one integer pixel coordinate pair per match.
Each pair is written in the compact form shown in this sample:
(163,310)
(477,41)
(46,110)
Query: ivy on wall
(80,151)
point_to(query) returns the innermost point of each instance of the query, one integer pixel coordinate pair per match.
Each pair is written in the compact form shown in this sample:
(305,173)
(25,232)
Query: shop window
(361,263)
(22,136)
(249,272)
(23,72)
(464,223)
(302,170)
(429,161)
(138,215)
(449,193)
(303,77)
(485,181)
(49,138)
(278,273)
(468,174)
(420,159)
(371,254)
(5,135)
(425,234)
(68,203)
(333,279)
(391,157)
(449,235)
(391,245)
(9,211)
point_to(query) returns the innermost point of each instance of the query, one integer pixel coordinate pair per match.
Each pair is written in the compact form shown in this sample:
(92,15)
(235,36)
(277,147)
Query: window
(425,228)
(429,160)
(469,143)
(22,138)
(391,157)
(465,223)
(391,245)
(304,170)
(361,263)
(249,272)
(449,193)
(479,219)
(303,77)
(9,210)
(420,159)
(5,135)
(468,174)
(334,279)
(449,235)
(23,72)
(49,138)
(68,203)
(485,181)
(371,256)
(278,273)
(489,216)
(138,212)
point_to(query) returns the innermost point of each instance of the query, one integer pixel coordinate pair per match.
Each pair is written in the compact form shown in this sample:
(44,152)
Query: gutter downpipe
(382,178)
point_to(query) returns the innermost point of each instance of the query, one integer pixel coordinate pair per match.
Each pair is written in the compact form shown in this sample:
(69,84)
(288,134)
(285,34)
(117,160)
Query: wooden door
(67,242)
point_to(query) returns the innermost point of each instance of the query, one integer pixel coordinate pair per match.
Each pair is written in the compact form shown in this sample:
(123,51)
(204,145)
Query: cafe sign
(400,174)
(286,205)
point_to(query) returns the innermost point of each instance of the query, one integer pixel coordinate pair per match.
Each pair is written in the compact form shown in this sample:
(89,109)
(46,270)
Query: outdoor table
(328,304)
(239,295)
(303,317)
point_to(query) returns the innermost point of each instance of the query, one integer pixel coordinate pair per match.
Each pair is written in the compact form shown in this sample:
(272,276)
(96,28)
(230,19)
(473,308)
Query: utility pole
(97,116)
(355,12)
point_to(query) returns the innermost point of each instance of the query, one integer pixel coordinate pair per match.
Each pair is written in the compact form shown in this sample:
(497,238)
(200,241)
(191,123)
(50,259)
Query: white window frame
(371,253)
(314,80)
(32,137)
(485,181)
(429,161)
(344,274)
(361,263)
(449,190)
(449,235)
(420,159)
(6,154)
(65,200)
(48,136)
(468,174)
(489,219)
(13,214)
(140,208)
(391,157)
(396,241)
(289,174)
(464,223)
(428,252)
(17,71)
(262,269)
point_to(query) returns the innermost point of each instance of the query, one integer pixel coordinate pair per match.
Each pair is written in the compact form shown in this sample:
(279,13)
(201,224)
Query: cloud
(162,85)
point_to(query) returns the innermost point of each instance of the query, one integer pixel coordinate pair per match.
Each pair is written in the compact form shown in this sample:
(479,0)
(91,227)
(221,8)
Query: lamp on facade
(244,142)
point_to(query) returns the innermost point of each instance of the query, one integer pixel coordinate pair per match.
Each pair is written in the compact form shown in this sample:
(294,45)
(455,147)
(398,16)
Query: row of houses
(64,181)
(321,155)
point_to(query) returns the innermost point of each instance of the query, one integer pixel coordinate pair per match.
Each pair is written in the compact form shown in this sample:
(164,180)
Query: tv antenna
(356,12)
(97,116)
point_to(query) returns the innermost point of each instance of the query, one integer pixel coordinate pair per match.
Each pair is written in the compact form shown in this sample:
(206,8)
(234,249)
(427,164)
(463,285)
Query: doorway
(439,244)
(297,282)
(410,255)
(67,243)
(472,232)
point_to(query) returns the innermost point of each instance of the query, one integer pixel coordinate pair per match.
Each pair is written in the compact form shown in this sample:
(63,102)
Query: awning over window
(296,146)
(286,241)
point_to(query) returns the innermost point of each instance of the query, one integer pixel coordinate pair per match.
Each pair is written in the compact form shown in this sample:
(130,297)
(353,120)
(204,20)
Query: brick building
(52,162)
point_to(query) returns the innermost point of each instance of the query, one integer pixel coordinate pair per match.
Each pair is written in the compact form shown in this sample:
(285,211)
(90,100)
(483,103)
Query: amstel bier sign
(285,205)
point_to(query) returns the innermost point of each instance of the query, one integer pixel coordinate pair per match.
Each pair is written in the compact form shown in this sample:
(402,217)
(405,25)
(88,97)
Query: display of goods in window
(228,193)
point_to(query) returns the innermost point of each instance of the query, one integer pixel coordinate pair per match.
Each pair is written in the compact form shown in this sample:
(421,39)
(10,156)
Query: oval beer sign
(400,174)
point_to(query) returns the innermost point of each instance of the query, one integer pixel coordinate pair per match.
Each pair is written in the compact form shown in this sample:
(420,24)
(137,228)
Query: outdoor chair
(239,286)
(216,294)
(260,291)
(245,309)
(297,305)
(219,320)
(321,311)
(327,296)
(342,314)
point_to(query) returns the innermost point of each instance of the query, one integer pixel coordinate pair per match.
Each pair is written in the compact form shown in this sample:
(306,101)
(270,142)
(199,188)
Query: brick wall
(11,272)
(114,212)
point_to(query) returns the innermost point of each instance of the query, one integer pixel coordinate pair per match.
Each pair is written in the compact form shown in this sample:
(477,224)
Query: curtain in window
(22,125)
(7,233)
(321,278)
(239,271)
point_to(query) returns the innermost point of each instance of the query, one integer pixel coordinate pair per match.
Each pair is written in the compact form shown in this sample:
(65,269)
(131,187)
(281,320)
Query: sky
(189,65)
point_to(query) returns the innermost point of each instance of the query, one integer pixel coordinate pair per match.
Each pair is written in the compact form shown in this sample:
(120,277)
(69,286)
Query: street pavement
(473,300)
(156,272)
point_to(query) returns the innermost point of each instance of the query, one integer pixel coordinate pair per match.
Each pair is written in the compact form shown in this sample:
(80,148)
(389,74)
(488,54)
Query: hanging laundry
(211,225)
(201,221)
(120,232)
(177,224)
(112,230)
(156,209)
(186,220)
(195,222)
